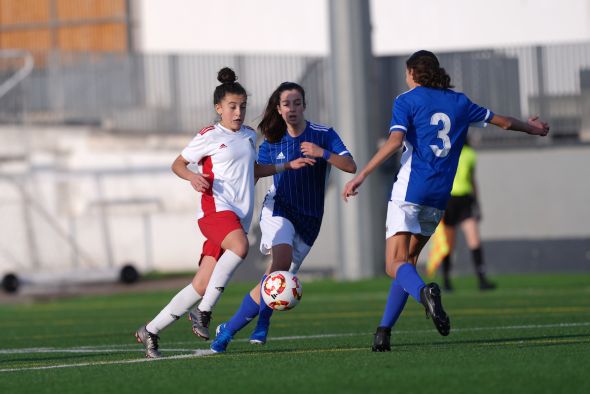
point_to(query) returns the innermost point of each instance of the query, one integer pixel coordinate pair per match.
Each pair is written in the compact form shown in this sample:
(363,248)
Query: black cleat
(430,298)
(486,285)
(381,340)
(447,286)
(200,320)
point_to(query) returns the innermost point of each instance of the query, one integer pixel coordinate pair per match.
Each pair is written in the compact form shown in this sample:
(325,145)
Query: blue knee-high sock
(265,312)
(396,300)
(408,278)
(244,315)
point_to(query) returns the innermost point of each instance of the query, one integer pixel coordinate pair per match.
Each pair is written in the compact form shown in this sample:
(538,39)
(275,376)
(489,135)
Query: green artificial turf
(531,335)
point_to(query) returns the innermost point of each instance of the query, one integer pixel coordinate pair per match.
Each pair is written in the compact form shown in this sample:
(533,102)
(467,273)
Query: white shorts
(403,216)
(277,230)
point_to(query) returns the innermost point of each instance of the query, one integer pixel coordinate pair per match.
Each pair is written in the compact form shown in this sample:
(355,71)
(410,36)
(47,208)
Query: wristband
(326,155)
(279,167)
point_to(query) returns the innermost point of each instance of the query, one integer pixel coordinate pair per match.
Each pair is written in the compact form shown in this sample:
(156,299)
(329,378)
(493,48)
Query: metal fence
(173,93)
(87,204)
(553,81)
(146,93)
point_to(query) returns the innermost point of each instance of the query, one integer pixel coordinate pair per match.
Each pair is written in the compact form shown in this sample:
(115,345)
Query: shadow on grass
(529,341)
(524,342)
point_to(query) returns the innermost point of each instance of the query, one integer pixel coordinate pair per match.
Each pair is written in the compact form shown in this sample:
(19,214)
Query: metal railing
(173,93)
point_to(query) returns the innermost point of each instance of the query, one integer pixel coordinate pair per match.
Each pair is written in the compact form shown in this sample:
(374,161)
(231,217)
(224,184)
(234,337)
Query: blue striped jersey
(435,123)
(299,194)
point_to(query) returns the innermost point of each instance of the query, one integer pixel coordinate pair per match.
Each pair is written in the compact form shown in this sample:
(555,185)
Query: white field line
(84,350)
(205,352)
(197,353)
(523,327)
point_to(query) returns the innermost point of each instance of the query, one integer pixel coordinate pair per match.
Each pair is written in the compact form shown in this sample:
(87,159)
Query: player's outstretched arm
(393,143)
(263,170)
(533,126)
(343,163)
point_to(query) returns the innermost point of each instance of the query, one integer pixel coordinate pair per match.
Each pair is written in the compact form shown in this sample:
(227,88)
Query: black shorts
(460,208)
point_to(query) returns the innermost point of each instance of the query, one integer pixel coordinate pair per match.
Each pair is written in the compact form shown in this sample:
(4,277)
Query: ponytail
(427,71)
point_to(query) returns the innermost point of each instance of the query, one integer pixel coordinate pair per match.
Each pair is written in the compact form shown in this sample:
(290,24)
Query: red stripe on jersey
(206,129)
(207,200)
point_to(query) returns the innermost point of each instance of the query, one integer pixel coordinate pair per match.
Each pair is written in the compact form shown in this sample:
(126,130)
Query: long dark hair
(228,79)
(273,126)
(427,71)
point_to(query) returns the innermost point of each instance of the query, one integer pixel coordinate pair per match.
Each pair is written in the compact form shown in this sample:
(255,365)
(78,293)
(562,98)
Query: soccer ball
(281,290)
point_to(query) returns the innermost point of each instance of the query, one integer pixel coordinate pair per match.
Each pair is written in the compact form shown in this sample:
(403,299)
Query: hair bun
(226,75)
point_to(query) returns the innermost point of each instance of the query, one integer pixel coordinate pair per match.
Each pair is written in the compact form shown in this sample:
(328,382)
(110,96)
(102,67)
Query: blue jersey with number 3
(435,123)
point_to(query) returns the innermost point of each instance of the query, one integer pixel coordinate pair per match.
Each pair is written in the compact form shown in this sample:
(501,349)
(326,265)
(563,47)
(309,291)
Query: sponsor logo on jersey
(281,156)
(222,146)
(220,289)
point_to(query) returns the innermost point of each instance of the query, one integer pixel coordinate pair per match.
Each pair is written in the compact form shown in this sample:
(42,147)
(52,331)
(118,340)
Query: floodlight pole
(361,234)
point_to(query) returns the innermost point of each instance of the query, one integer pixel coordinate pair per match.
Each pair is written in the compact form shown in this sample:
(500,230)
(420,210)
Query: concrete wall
(81,198)
(533,194)
(536,212)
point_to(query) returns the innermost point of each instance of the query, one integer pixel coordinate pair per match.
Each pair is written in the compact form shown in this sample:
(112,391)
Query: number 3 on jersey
(443,134)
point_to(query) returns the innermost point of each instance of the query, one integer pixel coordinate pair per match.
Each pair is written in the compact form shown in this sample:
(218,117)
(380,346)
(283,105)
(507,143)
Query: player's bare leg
(402,251)
(236,246)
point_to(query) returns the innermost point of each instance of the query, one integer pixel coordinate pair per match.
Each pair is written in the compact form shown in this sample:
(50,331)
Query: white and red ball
(281,290)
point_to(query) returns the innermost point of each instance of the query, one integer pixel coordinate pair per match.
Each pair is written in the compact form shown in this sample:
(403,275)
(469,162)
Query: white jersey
(228,158)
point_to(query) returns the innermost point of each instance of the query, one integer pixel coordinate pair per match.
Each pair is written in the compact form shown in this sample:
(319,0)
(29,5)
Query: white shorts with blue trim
(277,230)
(403,216)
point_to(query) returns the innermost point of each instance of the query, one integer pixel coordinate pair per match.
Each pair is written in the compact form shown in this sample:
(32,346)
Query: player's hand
(539,127)
(351,188)
(301,162)
(200,183)
(310,149)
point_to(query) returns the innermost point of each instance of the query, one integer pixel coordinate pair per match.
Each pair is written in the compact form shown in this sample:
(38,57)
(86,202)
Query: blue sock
(244,315)
(408,278)
(264,312)
(396,300)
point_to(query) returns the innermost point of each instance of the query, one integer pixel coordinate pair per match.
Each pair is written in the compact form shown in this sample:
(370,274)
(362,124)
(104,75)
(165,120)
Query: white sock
(222,273)
(178,306)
